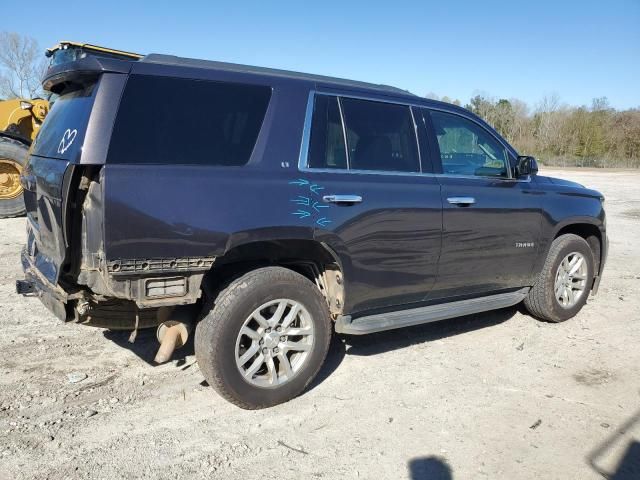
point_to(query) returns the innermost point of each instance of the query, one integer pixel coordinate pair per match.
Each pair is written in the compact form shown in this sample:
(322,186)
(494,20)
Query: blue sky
(576,49)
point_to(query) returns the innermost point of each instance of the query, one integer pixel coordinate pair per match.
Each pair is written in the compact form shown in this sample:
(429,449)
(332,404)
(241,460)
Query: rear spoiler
(95,50)
(81,72)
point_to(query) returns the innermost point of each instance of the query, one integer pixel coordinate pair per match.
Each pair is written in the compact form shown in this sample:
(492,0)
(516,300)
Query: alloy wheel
(274,343)
(571,280)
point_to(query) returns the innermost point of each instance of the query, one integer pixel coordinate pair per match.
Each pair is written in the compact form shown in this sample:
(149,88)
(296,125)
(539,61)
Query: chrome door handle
(342,199)
(461,200)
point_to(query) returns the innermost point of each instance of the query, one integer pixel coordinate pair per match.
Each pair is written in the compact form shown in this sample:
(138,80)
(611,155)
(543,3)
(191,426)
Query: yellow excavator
(20,120)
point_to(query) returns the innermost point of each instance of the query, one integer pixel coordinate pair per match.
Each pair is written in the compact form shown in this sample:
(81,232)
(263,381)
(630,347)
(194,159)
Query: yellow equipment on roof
(81,50)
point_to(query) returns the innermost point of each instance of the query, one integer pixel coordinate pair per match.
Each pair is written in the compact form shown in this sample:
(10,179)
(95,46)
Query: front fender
(570,207)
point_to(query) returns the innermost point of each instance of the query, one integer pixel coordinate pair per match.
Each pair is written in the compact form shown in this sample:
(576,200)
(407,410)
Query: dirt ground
(497,395)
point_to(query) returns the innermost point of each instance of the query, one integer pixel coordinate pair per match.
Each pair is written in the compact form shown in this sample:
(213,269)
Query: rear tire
(289,355)
(545,299)
(13,157)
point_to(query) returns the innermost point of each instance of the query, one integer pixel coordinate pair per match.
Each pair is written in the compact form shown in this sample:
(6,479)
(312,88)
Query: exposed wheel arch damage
(315,260)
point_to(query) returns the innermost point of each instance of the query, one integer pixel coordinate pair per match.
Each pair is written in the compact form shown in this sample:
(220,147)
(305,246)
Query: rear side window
(63,130)
(166,120)
(380,136)
(326,145)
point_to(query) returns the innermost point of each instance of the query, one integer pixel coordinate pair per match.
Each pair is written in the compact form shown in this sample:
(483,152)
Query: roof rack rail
(236,67)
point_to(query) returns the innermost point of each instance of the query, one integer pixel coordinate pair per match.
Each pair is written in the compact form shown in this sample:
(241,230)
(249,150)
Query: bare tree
(550,119)
(22,65)
(520,126)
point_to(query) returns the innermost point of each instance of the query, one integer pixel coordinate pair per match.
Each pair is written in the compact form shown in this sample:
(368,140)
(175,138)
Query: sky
(577,50)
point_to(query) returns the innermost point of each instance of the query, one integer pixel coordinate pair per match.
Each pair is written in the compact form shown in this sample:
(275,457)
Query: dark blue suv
(264,209)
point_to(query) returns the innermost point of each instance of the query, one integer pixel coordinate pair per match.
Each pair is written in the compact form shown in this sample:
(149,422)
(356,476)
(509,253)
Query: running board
(431,313)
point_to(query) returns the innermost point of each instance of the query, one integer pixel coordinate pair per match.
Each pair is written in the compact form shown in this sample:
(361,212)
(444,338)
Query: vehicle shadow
(381,342)
(376,343)
(628,467)
(429,468)
(146,345)
(335,355)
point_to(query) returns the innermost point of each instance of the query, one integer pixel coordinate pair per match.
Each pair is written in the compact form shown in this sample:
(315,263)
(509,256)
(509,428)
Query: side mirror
(526,165)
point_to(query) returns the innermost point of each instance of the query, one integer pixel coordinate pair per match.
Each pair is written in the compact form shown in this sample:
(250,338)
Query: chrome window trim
(303,158)
(344,134)
(373,98)
(367,172)
(306,136)
(415,134)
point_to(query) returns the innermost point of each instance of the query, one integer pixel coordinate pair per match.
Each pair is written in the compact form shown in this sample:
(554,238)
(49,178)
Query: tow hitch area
(25,287)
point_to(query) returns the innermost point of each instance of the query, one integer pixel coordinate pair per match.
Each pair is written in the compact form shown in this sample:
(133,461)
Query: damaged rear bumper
(35,284)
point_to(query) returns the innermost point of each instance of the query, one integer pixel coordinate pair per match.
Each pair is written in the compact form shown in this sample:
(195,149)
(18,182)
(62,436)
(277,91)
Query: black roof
(58,74)
(235,67)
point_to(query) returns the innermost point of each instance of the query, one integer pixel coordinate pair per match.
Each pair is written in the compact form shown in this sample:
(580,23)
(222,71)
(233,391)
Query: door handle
(342,199)
(461,200)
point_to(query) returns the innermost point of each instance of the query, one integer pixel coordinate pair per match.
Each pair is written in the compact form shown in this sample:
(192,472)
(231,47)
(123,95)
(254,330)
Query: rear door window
(380,136)
(165,120)
(326,146)
(63,130)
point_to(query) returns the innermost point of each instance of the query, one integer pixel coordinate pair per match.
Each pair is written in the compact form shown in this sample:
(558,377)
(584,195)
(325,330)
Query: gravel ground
(497,395)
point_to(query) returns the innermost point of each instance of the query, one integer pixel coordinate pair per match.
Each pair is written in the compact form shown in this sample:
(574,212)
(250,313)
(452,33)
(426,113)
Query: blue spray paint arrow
(301,214)
(317,206)
(314,188)
(302,200)
(300,182)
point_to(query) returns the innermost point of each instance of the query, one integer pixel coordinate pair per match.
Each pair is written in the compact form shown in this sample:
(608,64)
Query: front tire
(565,281)
(13,156)
(265,338)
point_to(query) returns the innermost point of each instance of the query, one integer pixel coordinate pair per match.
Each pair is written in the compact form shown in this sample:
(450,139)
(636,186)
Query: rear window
(62,133)
(164,120)
(380,136)
(326,147)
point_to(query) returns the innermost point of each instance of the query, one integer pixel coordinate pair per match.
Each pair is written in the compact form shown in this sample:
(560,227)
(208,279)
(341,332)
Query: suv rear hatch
(71,146)
(47,177)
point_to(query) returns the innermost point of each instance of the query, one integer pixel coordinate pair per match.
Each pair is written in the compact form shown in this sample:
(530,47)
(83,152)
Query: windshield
(63,130)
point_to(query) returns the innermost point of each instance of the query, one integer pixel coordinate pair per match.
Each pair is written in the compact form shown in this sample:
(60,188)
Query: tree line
(561,135)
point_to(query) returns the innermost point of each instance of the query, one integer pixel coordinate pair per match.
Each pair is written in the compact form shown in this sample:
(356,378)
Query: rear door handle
(461,200)
(344,199)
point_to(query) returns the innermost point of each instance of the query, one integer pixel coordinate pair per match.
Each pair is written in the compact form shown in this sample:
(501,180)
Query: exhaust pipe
(174,333)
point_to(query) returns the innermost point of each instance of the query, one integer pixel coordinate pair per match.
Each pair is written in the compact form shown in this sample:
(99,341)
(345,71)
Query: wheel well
(591,234)
(314,260)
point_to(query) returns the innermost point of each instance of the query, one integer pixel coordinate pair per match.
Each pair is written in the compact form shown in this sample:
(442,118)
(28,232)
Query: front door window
(468,149)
